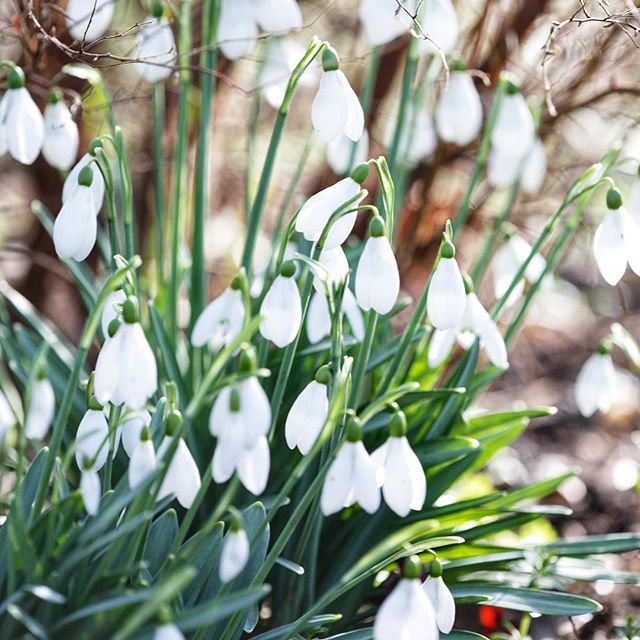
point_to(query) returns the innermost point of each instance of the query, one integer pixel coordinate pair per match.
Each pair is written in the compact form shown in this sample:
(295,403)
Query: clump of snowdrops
(288,464)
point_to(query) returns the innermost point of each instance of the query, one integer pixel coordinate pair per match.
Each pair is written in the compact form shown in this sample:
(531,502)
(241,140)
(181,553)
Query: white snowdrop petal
(277,15)
(355,115)
(377,276)
(446,298)
(608,248)
(234,555)
(443,602)
(280,60)
(418,139)
(281,312)
(107,371)
(24,126)
(397,487)
(458,115)
(41,410)
(229,449)
(336,268)
(503,168)
(379,459)
(221,321)
(255,409)
(380,21)
(75,228)
(354,315)
(92,440)
(514,129)
(253,467)
(89,20)
(142,463)
(418,478)
(318,320)
(61,137)
(155,43)
(339,481)
(481,323)
(595,384)
(343,153)
(109,311)
(330,110)
(631,239)
(7,419)
(534,169)
(440,346)
(90,489)
(365,486)
(132,428)
(237,29)
(182,478)
(441,25)
(307,417)
(167,632)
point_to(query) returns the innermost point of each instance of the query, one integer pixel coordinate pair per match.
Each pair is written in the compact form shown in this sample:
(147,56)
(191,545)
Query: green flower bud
(376,227)
(435,568)
(15,78)
(85,177)
(130,311)
(288,269)
(614,199)
(398,425)
(330,59)
(247,359)
(237,523)
(323,375)
(174,420)
(412,569)
(354,430)
(360,173)
(447,250)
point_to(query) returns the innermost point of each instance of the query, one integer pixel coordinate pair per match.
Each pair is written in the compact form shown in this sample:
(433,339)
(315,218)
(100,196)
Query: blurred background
(577,63)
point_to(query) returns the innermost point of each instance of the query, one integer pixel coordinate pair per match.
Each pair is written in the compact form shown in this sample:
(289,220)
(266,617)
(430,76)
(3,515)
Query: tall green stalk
(159,124)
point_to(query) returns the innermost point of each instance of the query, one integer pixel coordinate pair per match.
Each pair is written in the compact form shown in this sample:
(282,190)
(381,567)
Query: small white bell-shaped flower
(446,298)
(281,309)
(316,212)
(131,429)
(143,461)
(277,16)
(42,408)
(237,28)
(61,138)
(534,170)
(308,413)
(336,108)
(126,370)
(21,123)
(503,167)
(440,22)
(75,228)
(7,418)
(89,20)
(440,596)
(381,20)
(407,612)
(335,269)
(156,45)
(377,276)
(235,550)
(399,471)
(351,477)
(71,184)
(343,154)
(418,139)
(112,310)
(182,478)
(222,319)
(318,319)
(458,113)
(616,241)
(514,130)
(167,631)
(596,383)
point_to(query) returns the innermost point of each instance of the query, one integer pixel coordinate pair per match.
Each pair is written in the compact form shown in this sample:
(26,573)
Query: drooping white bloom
(75,227)
(155,43)
(182,478)
(442,600)
(126,370)
(92,440)
(42,408)
(308,414)
(459,111)
(61,138)
(418,138)
(440,23)
(221,321)
(535,168)
(90,490)
(400,474)
(277,15)
(514,129)
(336,108)
(237,28)
(318,319)
(507,262)
(615,244)
(351,477)
(596,385)
(21,123)
(503,167)
(406,613)
(281,309)
(377,276)
(71,184)
(167,631)
(446,298)
(343,154)
(7,419)
(143,462)
(335,271)
(253,466)
(131,429)
(281,57)
(89,20)
(382,20)
(318,209)
(234,555)
(111,310)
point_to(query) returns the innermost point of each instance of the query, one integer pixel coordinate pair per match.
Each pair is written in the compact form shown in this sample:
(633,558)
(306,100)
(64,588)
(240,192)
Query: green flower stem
(481,159)
(362,358)
(159,124)
(493,234)
(127,194)
(208,61)
(182,135)
(257,207)
(112,222)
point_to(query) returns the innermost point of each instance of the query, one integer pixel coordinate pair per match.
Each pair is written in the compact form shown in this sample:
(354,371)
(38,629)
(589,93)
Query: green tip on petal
(354,430)
(247,360)
(330,59)
(510,87)
(165,615)
(468,283)
(41,374)
(376,227)
(447,250)
(55,96)
(113,327)
(130,311)
(145,434)
(398,425)
(87,463)
(85,177)
(237,523)
(604,348)
(288,269)
(15,78)
(323,375)
(94,146)
(412,569)
(435,568)
(157,9)
(614,199)
(94,405)
(234,400)
(239,281)
(174,420)
(457,65)
(360,173)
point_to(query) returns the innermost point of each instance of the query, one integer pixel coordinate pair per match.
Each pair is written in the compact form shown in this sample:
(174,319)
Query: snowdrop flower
(126,370)
(182,478)
(21,123)
(336,108)
(507,262)
(351,477)
(143,460)
(399,471)
(7,419)
(514,130)
(382,21)
(155,43)
(616,241)
(281,57)
(60,142)
(440,596)
(534,169)
(89,20)
(343,154)
(446,297)
(308,413)
(281,309)
(90,490)
(458,113)
(167,631)
(223,318)
(503,168)
(418,138)
(441,25)
(596,383)
(235,550)
(42,407)
(131,429)
(277,15)
(75,228)
(316,212)
(318,320)
(377,276)
(336,269)
(237,28)
(111,310)
(407,612)
(71,184)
